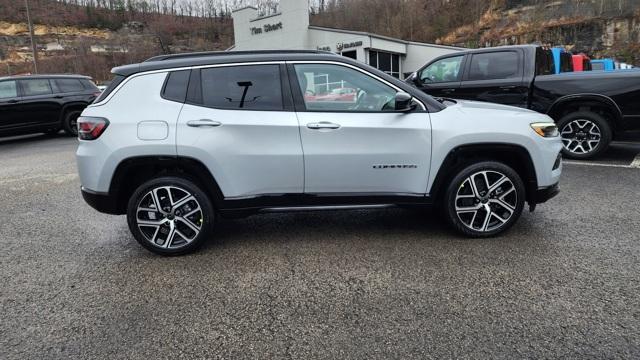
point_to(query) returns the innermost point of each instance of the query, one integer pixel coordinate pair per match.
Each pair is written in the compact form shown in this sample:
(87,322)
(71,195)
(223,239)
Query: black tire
(69,123)
(459,185)
(579,144)
(154,238)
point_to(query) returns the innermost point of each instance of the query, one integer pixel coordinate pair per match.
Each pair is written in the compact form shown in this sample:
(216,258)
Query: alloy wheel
(169,217)
(486,201)
(581,136)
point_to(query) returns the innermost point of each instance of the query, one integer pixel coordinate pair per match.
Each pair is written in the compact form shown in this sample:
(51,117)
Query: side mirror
(414,79)
(403,102)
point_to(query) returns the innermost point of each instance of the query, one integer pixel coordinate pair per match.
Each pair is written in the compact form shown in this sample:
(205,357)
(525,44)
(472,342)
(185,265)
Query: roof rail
(228,53)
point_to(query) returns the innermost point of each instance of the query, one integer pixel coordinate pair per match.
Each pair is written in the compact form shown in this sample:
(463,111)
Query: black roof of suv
(167,62)
(45,76)
(223,57)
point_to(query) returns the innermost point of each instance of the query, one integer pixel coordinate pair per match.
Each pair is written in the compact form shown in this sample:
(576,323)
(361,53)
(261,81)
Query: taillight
(90,128)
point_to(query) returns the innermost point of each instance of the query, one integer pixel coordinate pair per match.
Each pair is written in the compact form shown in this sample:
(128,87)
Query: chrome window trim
(161,71)
(168,70)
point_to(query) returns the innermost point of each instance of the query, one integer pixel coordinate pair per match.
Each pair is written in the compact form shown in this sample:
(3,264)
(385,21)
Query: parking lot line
(633,165)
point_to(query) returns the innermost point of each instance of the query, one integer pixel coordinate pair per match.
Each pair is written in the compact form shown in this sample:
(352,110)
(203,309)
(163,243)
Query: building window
(384,61)
(351,54)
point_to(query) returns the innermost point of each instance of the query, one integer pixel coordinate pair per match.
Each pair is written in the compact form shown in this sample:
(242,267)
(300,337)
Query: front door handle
(323,125)
(203,123)
(448,91)
(508,87)
(12,101)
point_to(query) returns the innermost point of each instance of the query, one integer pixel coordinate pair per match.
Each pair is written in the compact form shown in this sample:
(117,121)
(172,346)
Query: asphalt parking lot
(563,283)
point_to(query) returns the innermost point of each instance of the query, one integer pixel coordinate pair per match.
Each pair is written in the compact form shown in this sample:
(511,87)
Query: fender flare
(120,182)
(451,164)
(588,98)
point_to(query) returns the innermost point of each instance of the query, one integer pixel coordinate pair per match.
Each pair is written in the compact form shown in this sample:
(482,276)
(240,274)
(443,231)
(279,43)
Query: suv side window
(356,91)
(445,70)
(36,87)
(69,85)
(494,65)
(245,87)
(8,89)
(175,88)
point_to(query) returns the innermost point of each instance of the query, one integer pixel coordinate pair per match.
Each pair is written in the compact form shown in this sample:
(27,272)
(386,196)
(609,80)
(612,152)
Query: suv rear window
(247,87)
(112,85)
(88,84)
(494,65)
(175,88)
(69,85)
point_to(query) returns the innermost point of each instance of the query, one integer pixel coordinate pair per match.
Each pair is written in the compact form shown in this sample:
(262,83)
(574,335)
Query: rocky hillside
(597,27)
(90,40)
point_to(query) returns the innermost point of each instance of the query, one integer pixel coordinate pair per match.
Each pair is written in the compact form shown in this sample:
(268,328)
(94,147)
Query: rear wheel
(484,199)
(585,134)
(70,123)
(170,216)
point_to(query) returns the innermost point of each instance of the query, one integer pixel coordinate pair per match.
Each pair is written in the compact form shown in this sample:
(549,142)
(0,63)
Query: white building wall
(398,47)
(293,19)
(323,39)
(293,32)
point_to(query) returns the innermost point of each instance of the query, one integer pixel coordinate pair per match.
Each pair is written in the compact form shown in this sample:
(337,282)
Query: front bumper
(102,202)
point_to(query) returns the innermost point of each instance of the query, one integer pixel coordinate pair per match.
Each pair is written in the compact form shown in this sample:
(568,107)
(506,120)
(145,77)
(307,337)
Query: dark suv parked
(43,103)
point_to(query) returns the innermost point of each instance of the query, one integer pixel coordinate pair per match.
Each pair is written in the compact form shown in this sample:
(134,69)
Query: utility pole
(34,49)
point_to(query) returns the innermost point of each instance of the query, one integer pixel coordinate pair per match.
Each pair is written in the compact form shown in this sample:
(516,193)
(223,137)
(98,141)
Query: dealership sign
(266,28)
(340,46)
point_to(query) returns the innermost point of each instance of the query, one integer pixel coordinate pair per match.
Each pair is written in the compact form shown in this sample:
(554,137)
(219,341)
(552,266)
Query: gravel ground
(563,283)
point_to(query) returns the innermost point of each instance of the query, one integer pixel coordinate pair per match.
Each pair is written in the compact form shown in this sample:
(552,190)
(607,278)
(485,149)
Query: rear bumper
(543,194)
(102,202)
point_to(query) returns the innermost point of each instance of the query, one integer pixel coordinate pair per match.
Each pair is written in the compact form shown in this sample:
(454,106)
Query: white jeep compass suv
(179,140)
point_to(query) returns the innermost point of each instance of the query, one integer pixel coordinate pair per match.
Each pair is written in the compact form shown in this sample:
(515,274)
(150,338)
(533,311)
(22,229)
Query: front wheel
(585,135)
(484,199)
(170,216)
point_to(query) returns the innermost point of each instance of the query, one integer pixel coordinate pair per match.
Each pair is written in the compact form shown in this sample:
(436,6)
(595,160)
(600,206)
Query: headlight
(545,129)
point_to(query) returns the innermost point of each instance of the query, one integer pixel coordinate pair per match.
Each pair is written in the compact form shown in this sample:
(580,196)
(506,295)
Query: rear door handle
(12,101)
(448,91)
(508,87)
(323,125)
(203,123)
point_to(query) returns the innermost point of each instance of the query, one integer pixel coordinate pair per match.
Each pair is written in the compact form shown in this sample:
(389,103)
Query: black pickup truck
(591,108)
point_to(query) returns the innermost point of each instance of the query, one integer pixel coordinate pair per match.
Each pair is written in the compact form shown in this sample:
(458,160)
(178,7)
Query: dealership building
(290,29)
